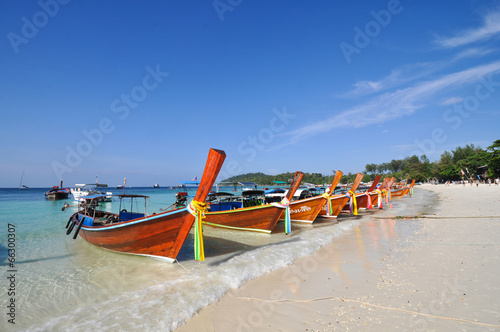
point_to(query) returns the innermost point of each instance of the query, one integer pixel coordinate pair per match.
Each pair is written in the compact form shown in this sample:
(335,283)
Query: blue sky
(142,89)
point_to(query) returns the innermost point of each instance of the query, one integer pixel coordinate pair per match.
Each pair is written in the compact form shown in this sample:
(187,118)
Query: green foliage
(267,180)
(493,162)
(470,159)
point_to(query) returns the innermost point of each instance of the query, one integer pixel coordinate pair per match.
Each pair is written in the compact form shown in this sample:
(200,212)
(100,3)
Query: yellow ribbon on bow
(328,204)
(353,204)
(197,209)
(379,199)
(386,195)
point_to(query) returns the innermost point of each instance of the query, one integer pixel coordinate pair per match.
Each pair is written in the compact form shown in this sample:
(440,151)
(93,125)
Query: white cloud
(490,28)
(393,105)
(410,73)
(451,101)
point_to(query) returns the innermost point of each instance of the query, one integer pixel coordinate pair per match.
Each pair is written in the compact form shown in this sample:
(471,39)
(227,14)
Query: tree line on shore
(462,163)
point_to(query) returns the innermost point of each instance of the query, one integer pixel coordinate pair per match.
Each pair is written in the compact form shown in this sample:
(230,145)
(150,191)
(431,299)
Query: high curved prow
(356,183)
(375,182)
(335,182)
(391,182)
(297,179)
(212,168)
(412,184)
(384,183)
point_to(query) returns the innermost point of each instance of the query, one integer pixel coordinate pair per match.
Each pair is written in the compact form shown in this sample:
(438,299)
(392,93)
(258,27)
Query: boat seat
(125,216)
(100,221)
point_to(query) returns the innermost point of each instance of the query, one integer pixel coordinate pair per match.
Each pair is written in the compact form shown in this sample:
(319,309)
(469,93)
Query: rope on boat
(432,217)
(285,204)
(370,305)
(353,206)
(197,209)
(329,209)
(185,268)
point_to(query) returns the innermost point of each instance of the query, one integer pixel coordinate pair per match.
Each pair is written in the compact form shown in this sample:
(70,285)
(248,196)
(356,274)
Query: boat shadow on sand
(216,247)
(216,242)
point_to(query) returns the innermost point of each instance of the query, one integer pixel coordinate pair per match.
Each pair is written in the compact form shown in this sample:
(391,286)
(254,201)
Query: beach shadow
(215,247)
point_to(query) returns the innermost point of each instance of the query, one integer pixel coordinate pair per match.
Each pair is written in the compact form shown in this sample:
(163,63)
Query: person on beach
(489,181)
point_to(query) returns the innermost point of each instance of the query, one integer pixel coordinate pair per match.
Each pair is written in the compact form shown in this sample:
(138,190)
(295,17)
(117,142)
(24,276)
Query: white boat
(21,185)
(81,190)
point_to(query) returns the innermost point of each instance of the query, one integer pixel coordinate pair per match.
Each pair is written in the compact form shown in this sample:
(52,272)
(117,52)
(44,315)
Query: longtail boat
(158,235)
(307,209)
(352,204)
(367,199)
(258,218)
(402,190)
(57,192)
(381,193)
(386,191)
(336,203)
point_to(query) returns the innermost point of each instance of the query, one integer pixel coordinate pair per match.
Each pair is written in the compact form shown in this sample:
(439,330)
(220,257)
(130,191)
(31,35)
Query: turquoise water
(65,284)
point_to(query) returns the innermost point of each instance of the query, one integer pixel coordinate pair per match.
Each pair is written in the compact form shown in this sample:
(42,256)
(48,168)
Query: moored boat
(402,190)
(158,235)
(306,210)
(367,199)
(336,203)
(256,217)
(22,186)
(57,192)
(82,190)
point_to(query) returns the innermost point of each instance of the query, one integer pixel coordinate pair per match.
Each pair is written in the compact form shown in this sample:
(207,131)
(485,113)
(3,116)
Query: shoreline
(388,273)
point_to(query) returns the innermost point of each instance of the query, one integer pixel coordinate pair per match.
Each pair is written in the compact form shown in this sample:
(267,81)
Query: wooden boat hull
(261,218)
(58,195)
(154,236)
(400,192)
(158,235)
(338,202)
(305,210)
(362,200)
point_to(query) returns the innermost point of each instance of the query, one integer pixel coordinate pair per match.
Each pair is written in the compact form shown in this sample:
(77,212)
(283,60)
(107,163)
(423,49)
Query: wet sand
(438,270)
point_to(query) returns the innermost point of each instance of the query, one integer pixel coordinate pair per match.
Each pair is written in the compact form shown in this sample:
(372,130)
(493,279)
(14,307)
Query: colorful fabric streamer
(380,202)
(353,206)
(329,209)
(197,209)
(369,201)
(285,204)
(386,195)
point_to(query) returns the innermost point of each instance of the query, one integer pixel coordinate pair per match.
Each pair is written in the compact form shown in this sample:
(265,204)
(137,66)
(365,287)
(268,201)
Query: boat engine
(181,199)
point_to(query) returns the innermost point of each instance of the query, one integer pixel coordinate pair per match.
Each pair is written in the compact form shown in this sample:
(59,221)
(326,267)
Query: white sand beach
(437,271)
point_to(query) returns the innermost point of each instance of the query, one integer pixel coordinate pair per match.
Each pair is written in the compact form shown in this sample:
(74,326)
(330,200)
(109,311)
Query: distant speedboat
(82,190)
(156,185)
(57,192)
